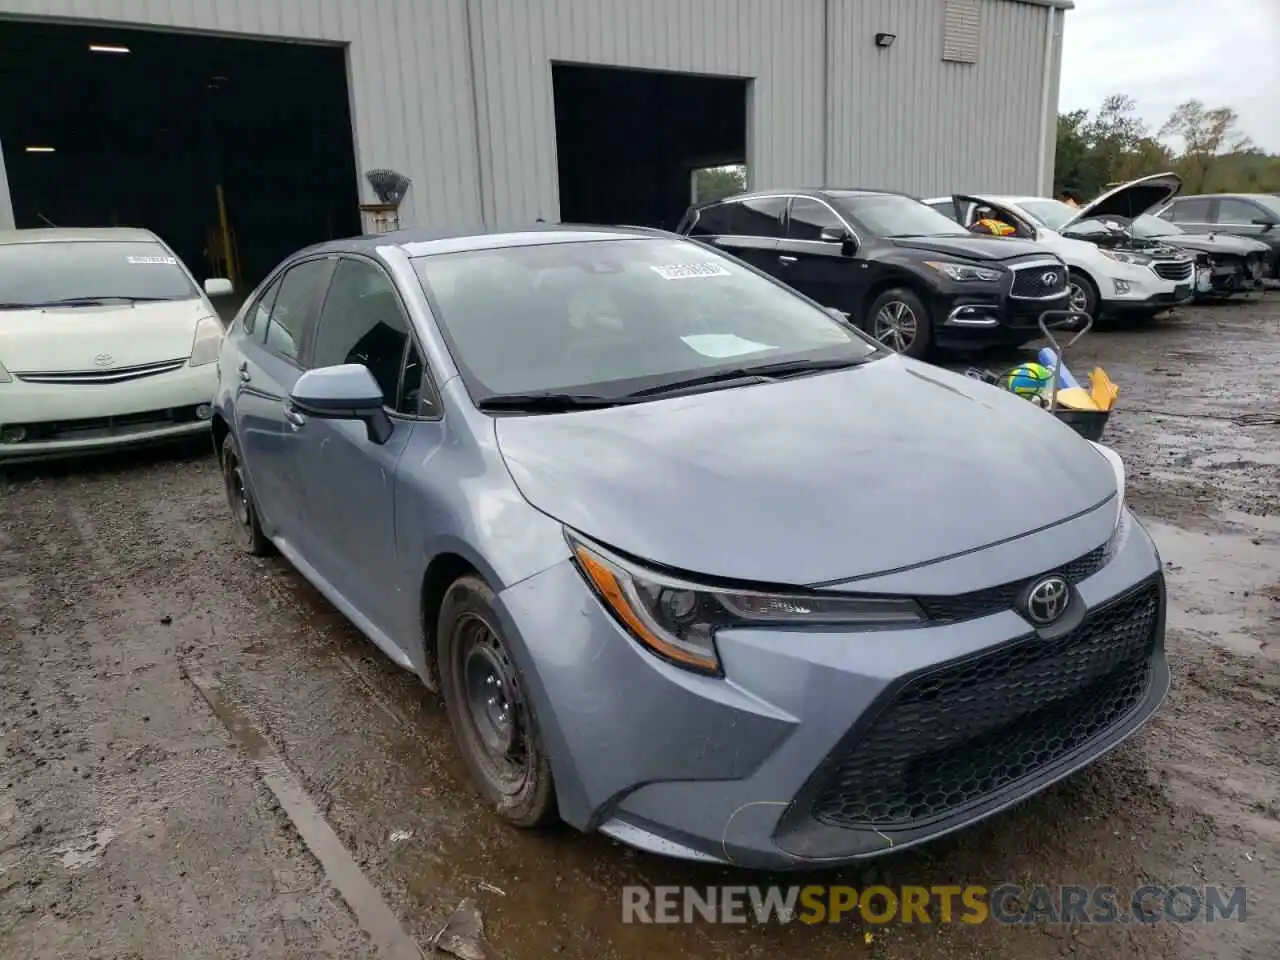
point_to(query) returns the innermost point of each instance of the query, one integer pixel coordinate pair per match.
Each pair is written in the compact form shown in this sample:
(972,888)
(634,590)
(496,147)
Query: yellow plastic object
(1102,389)
(1076,398)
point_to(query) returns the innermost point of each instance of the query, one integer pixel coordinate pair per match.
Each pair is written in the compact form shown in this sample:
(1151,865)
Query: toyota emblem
(104,360)
(1049,279)
(1047,601)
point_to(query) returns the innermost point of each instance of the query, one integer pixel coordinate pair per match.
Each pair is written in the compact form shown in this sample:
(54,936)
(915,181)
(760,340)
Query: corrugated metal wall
(408,69)
(905,119)
(900,117)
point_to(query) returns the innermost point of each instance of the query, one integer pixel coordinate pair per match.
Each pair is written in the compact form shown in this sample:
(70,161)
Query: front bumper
(823,748)
(71,419)
(967,314)
(1130,288)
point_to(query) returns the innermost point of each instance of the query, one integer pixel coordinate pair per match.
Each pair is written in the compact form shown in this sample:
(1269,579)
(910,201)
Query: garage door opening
(629,141)
(110,127)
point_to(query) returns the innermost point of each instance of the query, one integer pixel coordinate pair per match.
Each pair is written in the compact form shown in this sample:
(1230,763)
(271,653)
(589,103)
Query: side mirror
(1265,222)
(833,235)
(218,287)
(344,392)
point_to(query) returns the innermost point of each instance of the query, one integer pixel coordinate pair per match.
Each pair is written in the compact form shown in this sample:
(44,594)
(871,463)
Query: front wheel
(244,513)
(492,719)
(899,320)
(1082,295)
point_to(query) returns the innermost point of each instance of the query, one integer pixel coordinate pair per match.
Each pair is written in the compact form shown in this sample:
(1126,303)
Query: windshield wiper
(92,301)
(759,373)
(547,402)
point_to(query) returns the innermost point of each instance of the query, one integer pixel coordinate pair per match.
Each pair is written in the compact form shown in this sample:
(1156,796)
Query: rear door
(749,229)
(818,268)
(274,331)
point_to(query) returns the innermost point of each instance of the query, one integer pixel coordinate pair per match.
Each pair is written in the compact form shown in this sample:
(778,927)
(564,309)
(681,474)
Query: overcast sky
(1163,52)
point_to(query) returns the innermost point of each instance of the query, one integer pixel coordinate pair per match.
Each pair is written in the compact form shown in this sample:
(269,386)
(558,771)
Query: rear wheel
(244,515)
(899,320)
(491,717)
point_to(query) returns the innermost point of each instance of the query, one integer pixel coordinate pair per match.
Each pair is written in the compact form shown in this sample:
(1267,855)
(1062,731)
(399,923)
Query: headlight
(1134,259)
(678,620)
(963,271)
(207,341)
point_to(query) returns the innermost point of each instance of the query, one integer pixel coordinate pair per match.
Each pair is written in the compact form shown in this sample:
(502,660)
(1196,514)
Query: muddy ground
(134,825)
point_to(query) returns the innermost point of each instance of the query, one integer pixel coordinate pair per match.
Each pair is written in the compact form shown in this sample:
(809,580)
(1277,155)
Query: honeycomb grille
(951,738)
(981,603)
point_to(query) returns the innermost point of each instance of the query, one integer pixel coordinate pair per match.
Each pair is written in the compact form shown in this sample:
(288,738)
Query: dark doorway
(142,130)
(628,141)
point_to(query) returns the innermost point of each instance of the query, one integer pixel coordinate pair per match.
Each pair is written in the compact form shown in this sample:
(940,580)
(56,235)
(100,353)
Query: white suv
(1104,279)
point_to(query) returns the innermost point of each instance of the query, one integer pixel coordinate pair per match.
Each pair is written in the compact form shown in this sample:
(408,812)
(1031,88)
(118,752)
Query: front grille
(989,600)
(93,428)
(1174,269)
(949,739)
(1039,282)
(112,375)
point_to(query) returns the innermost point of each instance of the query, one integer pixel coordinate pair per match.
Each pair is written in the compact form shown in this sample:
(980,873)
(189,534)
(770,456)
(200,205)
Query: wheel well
(440,575)
(882,286)
(1081,272)
(220,431)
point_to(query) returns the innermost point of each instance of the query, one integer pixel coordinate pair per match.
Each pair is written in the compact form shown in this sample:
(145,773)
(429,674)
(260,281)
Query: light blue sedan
(692,562)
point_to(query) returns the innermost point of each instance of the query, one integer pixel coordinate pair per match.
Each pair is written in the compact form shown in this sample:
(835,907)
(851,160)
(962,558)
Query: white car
(105,341)
(1103,281)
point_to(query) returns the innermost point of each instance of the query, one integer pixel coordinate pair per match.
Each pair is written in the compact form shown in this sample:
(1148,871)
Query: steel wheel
(495,708)
(896,326)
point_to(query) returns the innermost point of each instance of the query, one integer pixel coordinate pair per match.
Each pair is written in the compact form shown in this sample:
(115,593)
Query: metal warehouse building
(261,117)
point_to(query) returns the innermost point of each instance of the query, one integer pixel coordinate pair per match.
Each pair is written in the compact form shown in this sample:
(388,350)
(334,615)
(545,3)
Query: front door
(350,481)
(826,271)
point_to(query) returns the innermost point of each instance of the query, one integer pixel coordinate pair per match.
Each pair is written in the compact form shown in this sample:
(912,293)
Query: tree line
(1112,145)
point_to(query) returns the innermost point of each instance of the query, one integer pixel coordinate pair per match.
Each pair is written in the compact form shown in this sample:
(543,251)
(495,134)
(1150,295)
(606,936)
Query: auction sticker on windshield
(165,260)
(687,271)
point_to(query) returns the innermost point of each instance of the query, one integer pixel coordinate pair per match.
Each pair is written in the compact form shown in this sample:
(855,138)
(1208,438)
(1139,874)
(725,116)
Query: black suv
(906,274)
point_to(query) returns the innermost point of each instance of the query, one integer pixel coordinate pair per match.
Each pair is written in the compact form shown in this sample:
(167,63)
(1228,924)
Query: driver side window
(363,322)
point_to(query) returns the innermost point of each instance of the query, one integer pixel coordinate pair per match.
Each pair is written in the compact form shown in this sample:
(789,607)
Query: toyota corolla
(693,563)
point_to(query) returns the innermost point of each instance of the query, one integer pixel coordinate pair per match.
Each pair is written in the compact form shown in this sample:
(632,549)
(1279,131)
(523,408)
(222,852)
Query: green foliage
(712,183)
(1201,144)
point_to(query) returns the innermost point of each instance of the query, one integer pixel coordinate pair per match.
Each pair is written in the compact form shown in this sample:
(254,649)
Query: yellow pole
(225,229)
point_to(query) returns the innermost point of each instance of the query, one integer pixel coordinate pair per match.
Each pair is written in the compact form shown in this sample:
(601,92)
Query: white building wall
(485,151)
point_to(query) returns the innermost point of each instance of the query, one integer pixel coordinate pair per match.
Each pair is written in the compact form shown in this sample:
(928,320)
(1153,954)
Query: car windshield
(1053,214)
(611,317)
(1146,226)
(894,216)
(89,271)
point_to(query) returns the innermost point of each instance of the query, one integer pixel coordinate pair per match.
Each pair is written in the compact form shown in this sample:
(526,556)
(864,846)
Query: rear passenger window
(714,221)
(296,306)
(759,218)
(809,218)
(257,316)
(1191,211)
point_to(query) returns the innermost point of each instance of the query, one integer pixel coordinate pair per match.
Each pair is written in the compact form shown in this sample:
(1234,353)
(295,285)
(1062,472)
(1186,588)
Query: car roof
(66,234)
(422,242)
(843,193)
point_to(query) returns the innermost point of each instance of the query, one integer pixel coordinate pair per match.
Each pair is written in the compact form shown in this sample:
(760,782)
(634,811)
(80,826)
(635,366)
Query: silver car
(692,562)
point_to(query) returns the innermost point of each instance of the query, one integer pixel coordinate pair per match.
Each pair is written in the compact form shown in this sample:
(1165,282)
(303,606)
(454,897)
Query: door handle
(295,418)
(785,258)
(244,372)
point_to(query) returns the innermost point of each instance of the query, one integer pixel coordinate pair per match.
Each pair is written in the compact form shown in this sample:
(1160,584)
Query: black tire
(244,515)
(892,318)
(1083,294)
(497,732)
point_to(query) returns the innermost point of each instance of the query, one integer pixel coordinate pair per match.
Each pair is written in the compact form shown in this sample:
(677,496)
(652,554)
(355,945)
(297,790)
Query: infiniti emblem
(1048,600)
(104,359)
(1049,279)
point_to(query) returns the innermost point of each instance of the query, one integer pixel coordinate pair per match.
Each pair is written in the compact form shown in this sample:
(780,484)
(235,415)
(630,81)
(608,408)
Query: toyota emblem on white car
(1048,600)
(104,359)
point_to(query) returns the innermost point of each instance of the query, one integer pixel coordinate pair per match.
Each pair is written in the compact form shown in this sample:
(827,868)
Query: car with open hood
(909,277)
(1105,278)
(693,563)
(105,341)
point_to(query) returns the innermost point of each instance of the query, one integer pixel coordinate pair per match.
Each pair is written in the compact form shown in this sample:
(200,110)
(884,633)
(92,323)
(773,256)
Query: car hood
(811,480)
(71,339)
(1215,243)
(1131,199)
(971,246)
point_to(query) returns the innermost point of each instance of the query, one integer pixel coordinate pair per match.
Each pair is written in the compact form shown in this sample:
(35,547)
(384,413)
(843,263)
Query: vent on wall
(963,30)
